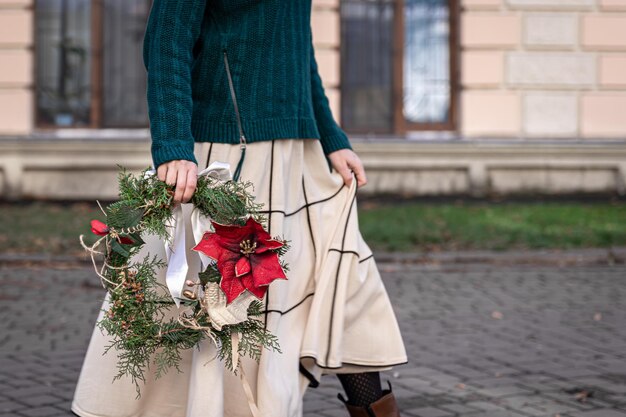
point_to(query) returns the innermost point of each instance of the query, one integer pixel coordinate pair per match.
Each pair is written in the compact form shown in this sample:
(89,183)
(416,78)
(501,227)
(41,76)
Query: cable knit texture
(272,61)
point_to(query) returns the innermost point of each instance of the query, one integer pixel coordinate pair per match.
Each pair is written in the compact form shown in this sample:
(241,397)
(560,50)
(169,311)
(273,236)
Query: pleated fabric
(332,314)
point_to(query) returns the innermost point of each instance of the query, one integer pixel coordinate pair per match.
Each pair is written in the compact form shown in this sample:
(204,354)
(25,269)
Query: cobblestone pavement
(484,340)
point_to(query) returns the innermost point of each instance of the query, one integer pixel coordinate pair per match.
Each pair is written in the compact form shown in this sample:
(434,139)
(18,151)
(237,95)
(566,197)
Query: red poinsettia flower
(245,256)
(101,229)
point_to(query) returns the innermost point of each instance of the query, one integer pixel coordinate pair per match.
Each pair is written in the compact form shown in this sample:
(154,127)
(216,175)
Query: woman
(236,81)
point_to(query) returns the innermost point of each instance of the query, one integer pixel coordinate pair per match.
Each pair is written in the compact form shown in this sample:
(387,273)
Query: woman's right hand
(183,174)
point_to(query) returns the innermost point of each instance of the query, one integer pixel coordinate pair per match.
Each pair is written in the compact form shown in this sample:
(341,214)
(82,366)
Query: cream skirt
(332,314)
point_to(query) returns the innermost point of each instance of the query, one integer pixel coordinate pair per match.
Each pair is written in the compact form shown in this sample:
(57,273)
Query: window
(398,65)
(89,64)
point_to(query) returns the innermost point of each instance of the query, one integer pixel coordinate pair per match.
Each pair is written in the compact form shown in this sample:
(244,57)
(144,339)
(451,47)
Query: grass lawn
(496,226)
(43,227)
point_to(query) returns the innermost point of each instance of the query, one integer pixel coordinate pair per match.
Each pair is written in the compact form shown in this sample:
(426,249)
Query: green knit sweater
(268,44)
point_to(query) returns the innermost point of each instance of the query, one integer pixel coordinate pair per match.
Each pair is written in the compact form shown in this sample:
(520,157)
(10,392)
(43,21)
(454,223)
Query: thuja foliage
(226,202)
(141,317)
(256,337)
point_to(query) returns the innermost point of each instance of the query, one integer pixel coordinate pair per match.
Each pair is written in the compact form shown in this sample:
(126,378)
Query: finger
(191,185)
(161,171)
(181,183)
(170,175)
(358,170)
(346,174)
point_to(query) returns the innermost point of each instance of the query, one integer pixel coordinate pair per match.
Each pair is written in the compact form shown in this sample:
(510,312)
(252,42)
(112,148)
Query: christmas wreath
(239,261)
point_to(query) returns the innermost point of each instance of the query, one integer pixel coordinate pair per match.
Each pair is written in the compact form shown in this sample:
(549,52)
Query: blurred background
(472,100)
(493,133)
(485,96)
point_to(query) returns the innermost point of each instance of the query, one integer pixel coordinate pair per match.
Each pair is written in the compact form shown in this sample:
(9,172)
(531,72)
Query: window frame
(400,126)
(96,117)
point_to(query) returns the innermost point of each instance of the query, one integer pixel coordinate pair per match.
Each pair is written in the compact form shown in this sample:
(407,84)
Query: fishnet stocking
(362,389)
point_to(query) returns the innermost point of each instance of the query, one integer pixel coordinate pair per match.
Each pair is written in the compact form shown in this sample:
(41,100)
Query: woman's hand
(182,173)
(346,161)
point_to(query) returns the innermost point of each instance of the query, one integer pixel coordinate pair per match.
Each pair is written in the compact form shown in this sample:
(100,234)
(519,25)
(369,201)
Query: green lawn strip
(53,228)
(42,227)
(494,226)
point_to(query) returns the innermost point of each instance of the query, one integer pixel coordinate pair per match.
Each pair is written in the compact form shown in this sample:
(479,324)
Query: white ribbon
(254,408)
(175,249)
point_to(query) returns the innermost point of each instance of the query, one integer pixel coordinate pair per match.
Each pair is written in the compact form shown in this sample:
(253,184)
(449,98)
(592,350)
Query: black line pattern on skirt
(208,157)
(269,224)
(313,383)
(307,205)
(299,303)
(366,258)
(360,365)
(371,255)
(308,217)
(282,313)
(304,206)
(332,311)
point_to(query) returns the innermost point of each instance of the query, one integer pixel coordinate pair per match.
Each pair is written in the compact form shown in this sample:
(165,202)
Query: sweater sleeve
(332,136)
(172,30)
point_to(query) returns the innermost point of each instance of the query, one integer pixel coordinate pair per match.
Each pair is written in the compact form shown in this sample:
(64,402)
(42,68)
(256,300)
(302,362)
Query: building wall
(530,68)
(543,68)
(16,72)
(325,24)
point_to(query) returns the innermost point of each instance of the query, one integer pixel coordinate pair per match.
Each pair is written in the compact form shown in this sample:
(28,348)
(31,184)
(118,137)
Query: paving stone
(8,406)
(411,381)
(616,388)
(495,381)
(459,409)
(617,399)
(40,412)
(569,400)
(520,401)
(503,391)
(428,390)
(419,371)
(429,412)
(502,413)
(64,405)
(40,400)
(453,386)
(339,412)
(437,378)
(28,391)
(572,372)
(464,362)
(553,407)
(316,404)
(605,412)
(484,406)
(462,371)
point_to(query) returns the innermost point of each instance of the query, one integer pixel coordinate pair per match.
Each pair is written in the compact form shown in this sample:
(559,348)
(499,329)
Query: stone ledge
(527,257)
(85,169)
(535,257)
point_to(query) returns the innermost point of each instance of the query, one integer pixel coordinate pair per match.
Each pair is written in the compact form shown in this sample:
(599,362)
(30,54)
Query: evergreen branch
(139,304)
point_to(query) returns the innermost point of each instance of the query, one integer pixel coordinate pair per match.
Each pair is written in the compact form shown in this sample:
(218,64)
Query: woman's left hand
(345,161)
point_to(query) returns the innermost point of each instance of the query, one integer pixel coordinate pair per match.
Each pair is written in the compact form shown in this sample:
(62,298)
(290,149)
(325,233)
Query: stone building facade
(555,69)
(536,91)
